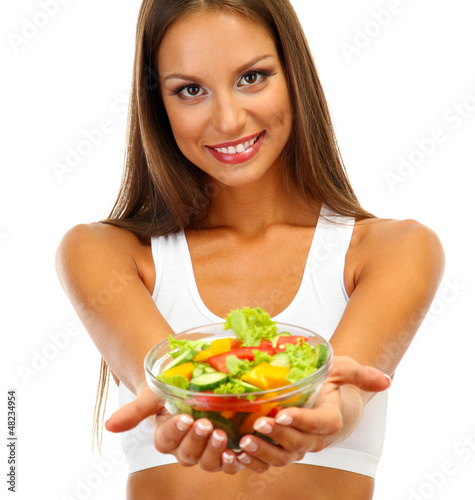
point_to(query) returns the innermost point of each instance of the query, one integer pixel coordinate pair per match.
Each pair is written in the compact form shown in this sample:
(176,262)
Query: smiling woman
(234,194)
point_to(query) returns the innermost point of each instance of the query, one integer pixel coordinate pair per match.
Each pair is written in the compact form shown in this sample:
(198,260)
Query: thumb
(346,370)
(128,416)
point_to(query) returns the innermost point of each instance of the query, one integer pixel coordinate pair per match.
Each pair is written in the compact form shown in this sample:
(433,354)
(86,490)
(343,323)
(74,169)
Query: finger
(194,442)
(229,462)
(128,416)
(211,459)
(252,463)
(170,431)
(265,452)
(323,420)
(302,436)
(346,370)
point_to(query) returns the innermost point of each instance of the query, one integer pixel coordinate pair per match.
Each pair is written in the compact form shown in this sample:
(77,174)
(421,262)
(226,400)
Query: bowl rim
(178,391)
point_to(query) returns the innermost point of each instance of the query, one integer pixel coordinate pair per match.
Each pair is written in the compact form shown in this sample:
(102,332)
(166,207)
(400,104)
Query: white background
(402,84)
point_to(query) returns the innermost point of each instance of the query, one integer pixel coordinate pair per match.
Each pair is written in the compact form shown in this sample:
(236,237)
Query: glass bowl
(235,414)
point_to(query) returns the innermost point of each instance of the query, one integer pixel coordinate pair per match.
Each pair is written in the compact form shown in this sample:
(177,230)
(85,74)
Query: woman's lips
(233,159)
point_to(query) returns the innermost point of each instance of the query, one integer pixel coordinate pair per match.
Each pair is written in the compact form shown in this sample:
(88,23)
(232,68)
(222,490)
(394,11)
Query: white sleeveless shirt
(318,306)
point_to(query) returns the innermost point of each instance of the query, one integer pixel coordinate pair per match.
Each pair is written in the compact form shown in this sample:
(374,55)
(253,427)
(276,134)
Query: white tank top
(318,306)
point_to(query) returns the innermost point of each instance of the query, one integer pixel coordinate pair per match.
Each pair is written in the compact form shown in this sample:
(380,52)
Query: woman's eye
(189,91)
(252,78)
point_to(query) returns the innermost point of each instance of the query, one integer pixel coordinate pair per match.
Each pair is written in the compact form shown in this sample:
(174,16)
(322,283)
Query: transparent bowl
(235,414)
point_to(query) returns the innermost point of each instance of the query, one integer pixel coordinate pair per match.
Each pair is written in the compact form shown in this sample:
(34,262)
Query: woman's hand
(191,442)
(301,430)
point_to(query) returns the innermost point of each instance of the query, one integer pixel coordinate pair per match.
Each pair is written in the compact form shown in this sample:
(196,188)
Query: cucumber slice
(281,359)
(197,371)
(209,369)
(250,387)
(182,358)
(207,381)
(321,353)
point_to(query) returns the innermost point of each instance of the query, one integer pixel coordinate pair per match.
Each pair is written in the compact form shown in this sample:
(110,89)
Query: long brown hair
(162,192)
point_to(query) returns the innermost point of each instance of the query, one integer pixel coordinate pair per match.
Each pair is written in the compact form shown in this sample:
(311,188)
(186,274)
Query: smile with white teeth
(240,148)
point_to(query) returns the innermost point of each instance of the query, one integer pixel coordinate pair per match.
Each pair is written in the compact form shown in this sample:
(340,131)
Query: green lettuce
(179,381)
(231,387)
(178,347)
(251,325)
(303,360)
(261,357)
(237,367)
(235,386)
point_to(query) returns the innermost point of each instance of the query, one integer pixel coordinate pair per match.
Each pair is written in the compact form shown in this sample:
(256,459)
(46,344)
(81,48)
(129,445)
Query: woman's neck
(250,210)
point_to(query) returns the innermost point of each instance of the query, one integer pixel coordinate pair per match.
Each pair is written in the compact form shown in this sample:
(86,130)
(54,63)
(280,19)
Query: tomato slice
(236,343)
(231,403)
(267,344)
(219,362)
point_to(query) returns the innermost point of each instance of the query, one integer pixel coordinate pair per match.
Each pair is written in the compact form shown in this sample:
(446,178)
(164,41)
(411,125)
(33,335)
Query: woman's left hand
(300,430)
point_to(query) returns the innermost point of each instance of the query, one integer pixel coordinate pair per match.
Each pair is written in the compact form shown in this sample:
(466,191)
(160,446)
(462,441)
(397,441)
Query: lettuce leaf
(178,347)
(261,357)
(303,360)
(235,386)
(179,381)
(237,367)
(251,325)
(231,387)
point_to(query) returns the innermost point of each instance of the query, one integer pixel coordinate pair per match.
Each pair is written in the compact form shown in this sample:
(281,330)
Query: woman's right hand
(191,442)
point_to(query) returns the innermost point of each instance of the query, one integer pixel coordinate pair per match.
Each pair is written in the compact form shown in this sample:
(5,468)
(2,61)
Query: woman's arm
(398,266)
(97,269)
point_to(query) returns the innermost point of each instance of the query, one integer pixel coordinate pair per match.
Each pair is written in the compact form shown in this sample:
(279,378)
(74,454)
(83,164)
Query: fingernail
(228,459)
(249,445)
(263,427)
(389,378)
(184,422)
(284,419)
(217,440)
(244,458)
(202,429)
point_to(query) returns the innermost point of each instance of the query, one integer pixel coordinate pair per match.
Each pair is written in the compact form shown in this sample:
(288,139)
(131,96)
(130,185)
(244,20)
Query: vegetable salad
(256,358)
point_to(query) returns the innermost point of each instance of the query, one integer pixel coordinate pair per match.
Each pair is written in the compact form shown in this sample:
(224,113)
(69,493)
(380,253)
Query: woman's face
(226,96)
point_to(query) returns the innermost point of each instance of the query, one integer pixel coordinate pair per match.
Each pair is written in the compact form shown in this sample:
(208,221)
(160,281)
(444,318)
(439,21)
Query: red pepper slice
(235,344)
(231,403)
(218,362)
(266,343)
(274,411)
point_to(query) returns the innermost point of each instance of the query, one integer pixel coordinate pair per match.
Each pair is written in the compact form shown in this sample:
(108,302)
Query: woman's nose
(229,115)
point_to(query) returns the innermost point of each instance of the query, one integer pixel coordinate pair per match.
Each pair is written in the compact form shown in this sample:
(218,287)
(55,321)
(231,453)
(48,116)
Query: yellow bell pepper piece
(203,355)
(184,369)
(220,346)
(266,376)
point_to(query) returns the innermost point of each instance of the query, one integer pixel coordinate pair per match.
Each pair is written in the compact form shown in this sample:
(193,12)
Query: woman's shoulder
(96,246)
(401,244)
(376,233)
(101,236)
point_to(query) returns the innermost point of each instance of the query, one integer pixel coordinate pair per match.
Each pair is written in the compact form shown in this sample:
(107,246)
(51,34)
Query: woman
(235,195)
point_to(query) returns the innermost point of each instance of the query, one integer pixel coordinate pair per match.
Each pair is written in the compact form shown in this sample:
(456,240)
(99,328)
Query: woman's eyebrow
(181,76)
